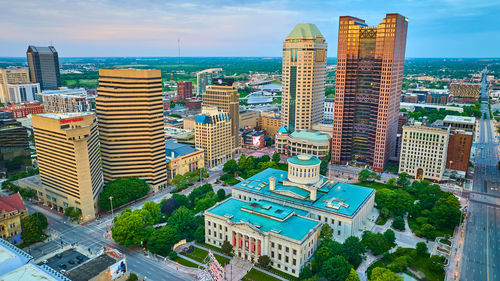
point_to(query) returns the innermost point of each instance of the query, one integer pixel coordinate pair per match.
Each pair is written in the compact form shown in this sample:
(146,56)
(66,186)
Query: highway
(481,254)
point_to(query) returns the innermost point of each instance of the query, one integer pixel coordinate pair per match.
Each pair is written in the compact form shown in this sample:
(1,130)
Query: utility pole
(112,214)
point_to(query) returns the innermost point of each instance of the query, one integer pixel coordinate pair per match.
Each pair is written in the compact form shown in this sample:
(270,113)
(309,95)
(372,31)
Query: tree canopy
(123,191)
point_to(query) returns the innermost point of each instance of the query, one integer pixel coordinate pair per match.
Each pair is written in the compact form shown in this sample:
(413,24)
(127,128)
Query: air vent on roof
(279,211)
(266,207)
(254,205)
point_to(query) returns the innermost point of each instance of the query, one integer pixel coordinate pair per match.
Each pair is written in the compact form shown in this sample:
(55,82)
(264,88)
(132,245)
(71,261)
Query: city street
(92,237)
(481,251)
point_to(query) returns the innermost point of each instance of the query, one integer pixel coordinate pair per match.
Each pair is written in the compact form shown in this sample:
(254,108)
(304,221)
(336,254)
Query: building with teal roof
(256,228)
(309,142)
(347,208)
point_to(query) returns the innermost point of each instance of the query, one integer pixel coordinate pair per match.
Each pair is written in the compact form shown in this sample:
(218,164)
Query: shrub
(398,223)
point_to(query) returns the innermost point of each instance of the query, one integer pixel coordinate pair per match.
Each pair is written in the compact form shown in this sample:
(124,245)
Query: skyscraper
(223,95)
(304,71)
(44,67)
(130,111)
(67,146)
(370,62)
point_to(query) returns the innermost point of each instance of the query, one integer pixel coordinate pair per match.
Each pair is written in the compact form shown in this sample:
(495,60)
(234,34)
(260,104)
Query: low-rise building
(182,158)
(193,104)
(253,138)
(12,211)
(437,98)
(23,92)
(108,265)
(24,109)
(180,135)
(423,151)
(16,264)
(11,76)
(188,123)
(460,123)
(269,122)
(313,143)
(465,90)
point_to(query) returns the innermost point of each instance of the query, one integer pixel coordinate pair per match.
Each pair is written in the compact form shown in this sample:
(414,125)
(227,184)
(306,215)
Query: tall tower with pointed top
(304,72)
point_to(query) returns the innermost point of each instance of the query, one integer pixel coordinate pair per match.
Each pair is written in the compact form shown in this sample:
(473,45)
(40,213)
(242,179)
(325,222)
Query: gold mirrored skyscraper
(370,63)
(304,72)
(129,108)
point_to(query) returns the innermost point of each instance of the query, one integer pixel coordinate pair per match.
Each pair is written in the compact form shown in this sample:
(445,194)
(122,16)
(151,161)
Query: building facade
(67,146)
(129,108)
(459,148)
(43,64)
(467,124)
(249,118)
(193,104)
(437,98)
(328,110)
(307,142)
(370,63)
(25,109)
(11,76)
(257,228)
(14,140)
(204,78)
(184,90)
(23,92)
(12,211)
(182,158)
(213,135)
(423,151)
(304,73)
(269,122)
(223,95)
(67,100)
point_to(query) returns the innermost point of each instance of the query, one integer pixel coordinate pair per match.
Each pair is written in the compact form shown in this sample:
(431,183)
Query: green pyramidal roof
(305,30)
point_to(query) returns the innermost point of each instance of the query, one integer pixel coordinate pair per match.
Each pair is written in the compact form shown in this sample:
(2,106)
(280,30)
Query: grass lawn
(256,275)
(199,255)
(283,274)
(184,262)
(422,264)
(374,185)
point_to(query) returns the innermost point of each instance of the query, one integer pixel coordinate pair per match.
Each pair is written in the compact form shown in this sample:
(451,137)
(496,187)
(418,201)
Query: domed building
(279,213)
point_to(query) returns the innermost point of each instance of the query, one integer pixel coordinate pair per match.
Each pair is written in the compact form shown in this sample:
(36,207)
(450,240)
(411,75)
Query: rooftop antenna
(179,49)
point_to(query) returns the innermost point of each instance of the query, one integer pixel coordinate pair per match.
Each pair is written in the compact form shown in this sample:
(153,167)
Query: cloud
(220,27)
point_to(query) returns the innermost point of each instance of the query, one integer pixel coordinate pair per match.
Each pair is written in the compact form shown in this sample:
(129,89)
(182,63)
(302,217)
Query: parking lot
(66,260)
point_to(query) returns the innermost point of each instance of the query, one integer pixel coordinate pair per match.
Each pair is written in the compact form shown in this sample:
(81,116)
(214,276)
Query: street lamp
(111,201)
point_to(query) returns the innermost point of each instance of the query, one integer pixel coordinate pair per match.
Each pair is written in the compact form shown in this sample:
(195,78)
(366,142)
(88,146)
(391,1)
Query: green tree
(32,229)
(132,277)
(203,172)
(403,179)
(73,213)
(226,247)
(364,175)
(353,276)
(264,261)
(154,210)
(436,263)
(184,221)
(163,239)
(203,204)
(326,231)
(421,249)
(129,228)
(242,162)
(230,167)
(170,205)
(172,255)
(398,223)
(446,212)
(390,237)
(180,181)
(42,219)
(354,251)
(199,234)
(376,242)
(221,194)
(384,212)
(305,273)
(123,191)
(383,274)
(335,269)
(391,182)
(182,199)
(428,231)
(276,158)
(399,264)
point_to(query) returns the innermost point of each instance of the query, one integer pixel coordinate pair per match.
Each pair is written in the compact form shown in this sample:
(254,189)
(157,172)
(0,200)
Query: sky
(247,28)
